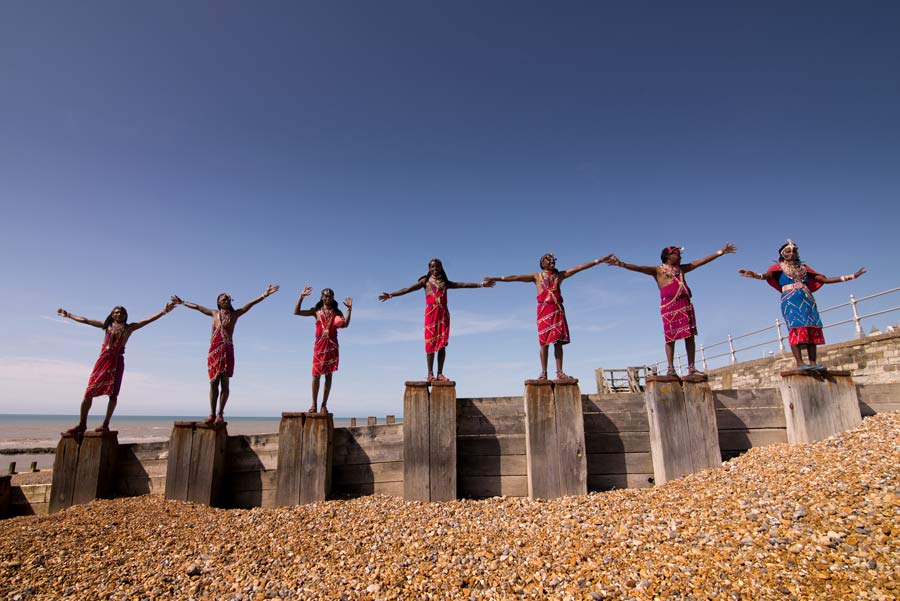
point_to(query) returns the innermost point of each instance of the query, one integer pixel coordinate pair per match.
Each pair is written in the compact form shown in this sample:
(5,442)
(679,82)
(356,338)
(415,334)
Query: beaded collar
(795,271)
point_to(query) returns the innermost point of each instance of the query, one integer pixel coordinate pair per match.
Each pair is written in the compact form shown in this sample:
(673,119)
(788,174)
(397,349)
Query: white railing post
(856,321)
(703,358)
(780,337)
(678,362)
(731,347)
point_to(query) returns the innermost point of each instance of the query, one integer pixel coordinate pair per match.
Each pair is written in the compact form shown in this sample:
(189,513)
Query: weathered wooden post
(818,403)
(554,439)
(429,441)
(83,469)
(196,463)
(305,448)
(682,417)
(5,491)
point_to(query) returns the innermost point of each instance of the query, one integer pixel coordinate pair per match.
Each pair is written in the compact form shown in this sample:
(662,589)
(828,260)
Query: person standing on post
(220,359)
(326,350)
(676,308)
(797,281)
(551,315)
(437,314)
(106,377)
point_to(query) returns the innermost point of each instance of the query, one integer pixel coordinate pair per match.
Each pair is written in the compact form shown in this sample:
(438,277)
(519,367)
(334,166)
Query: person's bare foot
(430,378)
(442,378)
(102,428)
(312,409)
(220,419)
(79,429)
(543,376)
(210,420)
(323,410)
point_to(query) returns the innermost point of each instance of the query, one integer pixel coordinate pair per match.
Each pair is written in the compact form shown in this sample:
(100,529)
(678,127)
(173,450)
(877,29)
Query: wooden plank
(619,463)
(750,418)
(604,482)
(701,418)
(868,409)
(630,421)
(487,446)
(363,434)
(876,394)
(248,481)
(374,452)
(617,442)
(142,469)
(613,403)
(393,489)
(179,461)
(5,488)
(492,465)
(95,471)
(416,443)
(570,439)
(470,425)
(741,440)
(442,441)
(143,451)
(669,430)
(497,406)
(252,461)
(541,445)
(207,467)
(818,404)
(315,466)
(376,472)
(750,398)
(65,463)
(479,487)
(290,453)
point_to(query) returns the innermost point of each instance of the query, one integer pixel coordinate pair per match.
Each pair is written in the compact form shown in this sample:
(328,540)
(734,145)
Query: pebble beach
(816,521)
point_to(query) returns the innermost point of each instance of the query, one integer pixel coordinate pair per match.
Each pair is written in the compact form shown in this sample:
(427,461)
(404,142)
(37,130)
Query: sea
(28,438)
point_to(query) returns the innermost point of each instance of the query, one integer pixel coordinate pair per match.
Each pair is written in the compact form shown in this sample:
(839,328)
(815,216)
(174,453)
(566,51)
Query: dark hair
(664,255)
(221,294)
(442,275)
(334,306)
(782,247)
(109,318)
(541,262)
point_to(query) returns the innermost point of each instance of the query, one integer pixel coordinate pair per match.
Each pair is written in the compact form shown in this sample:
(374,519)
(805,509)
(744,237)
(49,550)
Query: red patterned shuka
(325,351)
(106,377)
(551,315)
(220,360)
(437,316)
(677,311)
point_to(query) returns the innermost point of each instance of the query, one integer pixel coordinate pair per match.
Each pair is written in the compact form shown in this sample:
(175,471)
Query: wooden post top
(663,379)
(424,384)
(90,434)
(571,381)
(695,378)
(5,477)
(189,424)
(305,414)
(819,374)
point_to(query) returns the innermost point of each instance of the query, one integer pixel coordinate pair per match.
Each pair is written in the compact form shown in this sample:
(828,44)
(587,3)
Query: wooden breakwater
(490,449)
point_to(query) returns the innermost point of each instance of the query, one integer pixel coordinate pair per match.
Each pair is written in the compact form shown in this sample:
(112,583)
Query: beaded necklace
(795,271)
(670,270)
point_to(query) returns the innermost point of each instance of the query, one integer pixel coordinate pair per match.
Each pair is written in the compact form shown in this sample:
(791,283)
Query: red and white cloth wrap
(437,316)
(552,326)
(220,360)
(676,309)
(106,377)
(325,350)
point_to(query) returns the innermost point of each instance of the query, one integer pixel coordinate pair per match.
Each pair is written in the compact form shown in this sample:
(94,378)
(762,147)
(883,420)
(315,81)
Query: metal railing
(781,335)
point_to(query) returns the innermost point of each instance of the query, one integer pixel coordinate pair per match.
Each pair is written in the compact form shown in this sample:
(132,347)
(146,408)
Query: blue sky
(194,148)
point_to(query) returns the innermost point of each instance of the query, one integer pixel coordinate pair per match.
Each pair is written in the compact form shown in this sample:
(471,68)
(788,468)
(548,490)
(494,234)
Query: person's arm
(417,286)
(269,291)
(79,319)
(844,278)
(645,269)
(348,302)
(768,275)
(573,270)
(140,324)
(725,250)
(528,277)
(194,306)
(484,284)
(304,312)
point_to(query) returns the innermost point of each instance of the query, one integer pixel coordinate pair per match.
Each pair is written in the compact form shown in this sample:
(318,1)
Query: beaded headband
(790,245)
(547,256)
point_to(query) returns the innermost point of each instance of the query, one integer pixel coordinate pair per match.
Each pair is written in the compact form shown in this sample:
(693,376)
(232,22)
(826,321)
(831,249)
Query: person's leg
(670,357)
(429,358)
(315,394)
(558,355)
(690,346)
(223,397)
(110,407)
(326,391)
(798,356)
(213,399)
(545,352)
(442,354)
(83,415)
(811,353)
